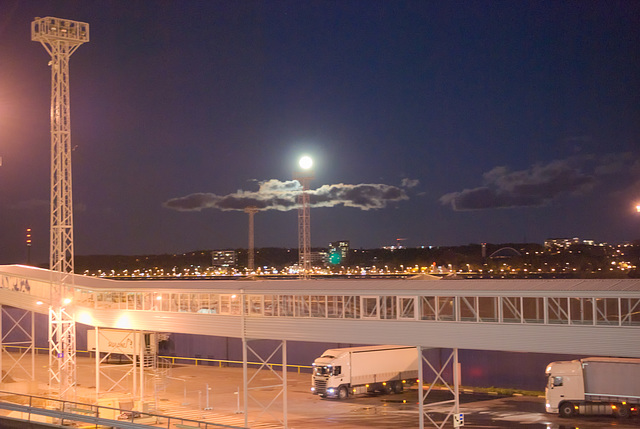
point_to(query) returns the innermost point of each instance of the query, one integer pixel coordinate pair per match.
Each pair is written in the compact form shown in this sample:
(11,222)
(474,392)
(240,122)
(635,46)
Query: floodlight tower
(61,38)
(304,217)
(250,258)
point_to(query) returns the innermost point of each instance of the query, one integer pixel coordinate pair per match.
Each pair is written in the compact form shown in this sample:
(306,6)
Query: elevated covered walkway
(591,317)
(586,317)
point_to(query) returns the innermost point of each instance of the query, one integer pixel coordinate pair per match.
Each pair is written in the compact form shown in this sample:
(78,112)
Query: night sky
(440,122)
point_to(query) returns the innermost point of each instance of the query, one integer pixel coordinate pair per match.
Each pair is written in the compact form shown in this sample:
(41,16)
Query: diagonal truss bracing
(447,407)
(18,343)
(255,385)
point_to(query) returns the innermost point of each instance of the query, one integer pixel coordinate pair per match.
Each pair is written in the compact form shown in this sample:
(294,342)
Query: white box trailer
(341,372)
(593,386)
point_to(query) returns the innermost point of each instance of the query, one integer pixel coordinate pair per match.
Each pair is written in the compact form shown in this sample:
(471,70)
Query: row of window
(497,309)
(581,311)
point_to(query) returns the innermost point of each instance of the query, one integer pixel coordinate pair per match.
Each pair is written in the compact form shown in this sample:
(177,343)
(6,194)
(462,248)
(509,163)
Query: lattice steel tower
(304,217)
(61,38)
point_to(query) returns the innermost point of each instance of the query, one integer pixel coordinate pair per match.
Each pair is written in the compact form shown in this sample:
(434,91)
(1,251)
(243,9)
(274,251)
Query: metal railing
(63,412)
(183,359)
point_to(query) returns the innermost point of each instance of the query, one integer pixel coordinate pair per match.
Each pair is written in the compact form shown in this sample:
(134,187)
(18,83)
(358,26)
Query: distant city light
(305,162)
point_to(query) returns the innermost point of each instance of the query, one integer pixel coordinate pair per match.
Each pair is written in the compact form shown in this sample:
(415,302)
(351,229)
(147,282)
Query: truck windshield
(554,381)
(322,370)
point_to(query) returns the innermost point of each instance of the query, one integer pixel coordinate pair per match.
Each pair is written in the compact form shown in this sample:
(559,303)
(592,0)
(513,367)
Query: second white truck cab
(596,385)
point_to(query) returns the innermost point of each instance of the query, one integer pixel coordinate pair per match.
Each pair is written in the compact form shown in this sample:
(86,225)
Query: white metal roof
(570,287)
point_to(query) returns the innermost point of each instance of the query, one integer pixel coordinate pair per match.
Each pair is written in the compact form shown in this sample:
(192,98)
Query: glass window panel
(335,306)
(468,312)
(269,305)
(607,311)
(533,309)
(406,307)
(302,308)
(446,308)
(488,308)
(558,310)
(194,302)
(581,310)
(236,304)
(184,302)
(428,308)
(147,301)
(511,309)
(203,303)
(318,306)
(369,307)
(351,307)
(225,304)
(255,305)
(286,305)
(214,301)
(388,307)
(630,311)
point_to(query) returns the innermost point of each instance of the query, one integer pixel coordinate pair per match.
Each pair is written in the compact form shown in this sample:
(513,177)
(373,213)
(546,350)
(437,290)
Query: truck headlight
(313,389)
(330,390)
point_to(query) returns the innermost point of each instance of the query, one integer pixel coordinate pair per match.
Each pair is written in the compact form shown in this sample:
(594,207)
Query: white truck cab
(339,373)
(564,384)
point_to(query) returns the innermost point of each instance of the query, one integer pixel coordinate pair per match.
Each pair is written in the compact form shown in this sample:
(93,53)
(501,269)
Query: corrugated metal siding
(185,323)
(502,337)
(22,300)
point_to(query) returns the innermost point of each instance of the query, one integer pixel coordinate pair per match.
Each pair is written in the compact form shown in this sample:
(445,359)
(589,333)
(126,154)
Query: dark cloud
(276,195)
(538,185)
(362,196)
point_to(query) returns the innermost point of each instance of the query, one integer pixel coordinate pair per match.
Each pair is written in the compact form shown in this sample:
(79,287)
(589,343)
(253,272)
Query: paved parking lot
(211,393)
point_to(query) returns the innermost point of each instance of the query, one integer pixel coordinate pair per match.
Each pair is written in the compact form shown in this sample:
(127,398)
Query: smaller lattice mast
(250,253)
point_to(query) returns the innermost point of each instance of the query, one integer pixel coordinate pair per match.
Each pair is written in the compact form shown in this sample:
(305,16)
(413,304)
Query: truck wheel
(343,393)
(567,410)
(623,411)
(397,387)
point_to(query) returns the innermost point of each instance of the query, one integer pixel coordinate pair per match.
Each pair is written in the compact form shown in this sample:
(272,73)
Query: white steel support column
(61,38)
(22,344)
(420,388)
(119,378)
(62,352)
(424,409)
(97,339)
(254,385)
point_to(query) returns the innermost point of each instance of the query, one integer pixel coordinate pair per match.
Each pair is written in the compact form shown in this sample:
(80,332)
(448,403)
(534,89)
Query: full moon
(306,162)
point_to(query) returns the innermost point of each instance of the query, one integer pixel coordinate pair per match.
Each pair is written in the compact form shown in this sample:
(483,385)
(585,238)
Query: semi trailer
(593,386)
(341,372)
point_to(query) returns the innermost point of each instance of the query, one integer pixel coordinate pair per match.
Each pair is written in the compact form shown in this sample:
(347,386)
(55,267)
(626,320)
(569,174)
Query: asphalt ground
(214,394)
